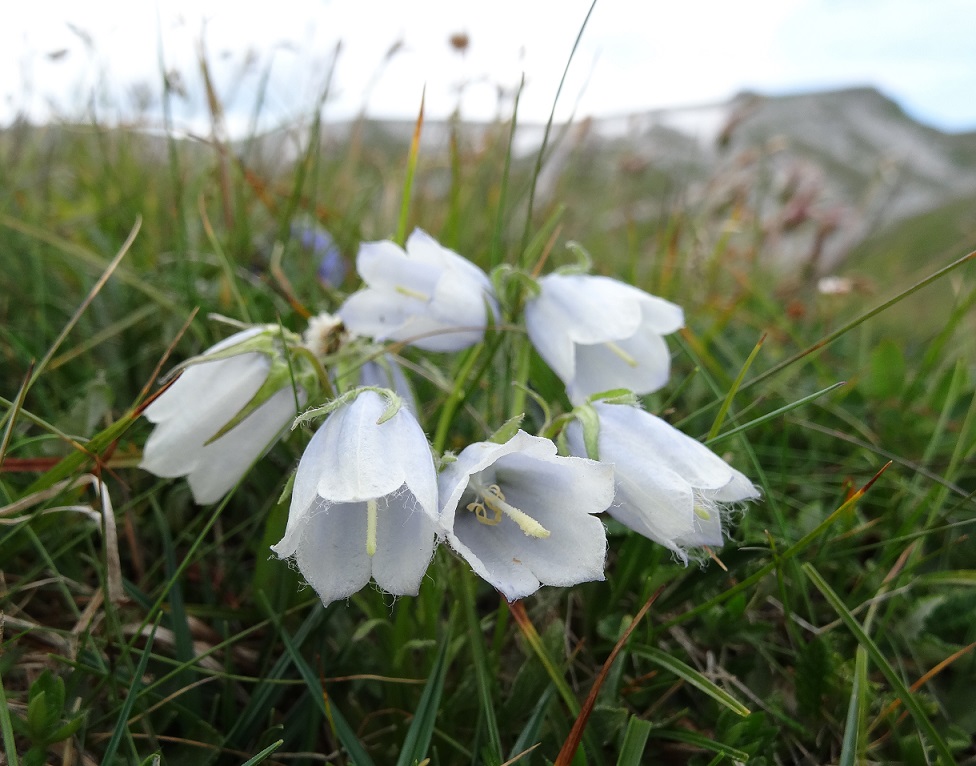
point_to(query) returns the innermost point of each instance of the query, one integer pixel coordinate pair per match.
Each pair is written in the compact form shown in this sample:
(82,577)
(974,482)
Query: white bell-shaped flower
(670,487)
(522,516)
(427,296)
(598,334)
(364,502)
(222,414)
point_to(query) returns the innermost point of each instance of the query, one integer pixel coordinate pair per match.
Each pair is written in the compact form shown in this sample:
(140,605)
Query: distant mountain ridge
(861,156)
(861,163)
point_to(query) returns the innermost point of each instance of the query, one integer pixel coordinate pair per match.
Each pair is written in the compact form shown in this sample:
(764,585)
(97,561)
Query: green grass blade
(121,725)
(425,716)
(264,753)
(535,642)
(545,136)
(11,416)
(907,698)
(341,728)
(529,736)
(727,402)
(692,676)
(401,232)
(691,738)
(794,550)
(495,256)
(476,641)
(854,725)
(774,414)
(635,740)
(831,337)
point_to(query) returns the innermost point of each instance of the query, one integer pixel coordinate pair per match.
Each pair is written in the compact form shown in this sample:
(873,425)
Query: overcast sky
(67,58)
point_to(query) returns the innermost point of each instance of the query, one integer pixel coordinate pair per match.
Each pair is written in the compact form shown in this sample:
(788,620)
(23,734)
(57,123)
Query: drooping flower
(522,516)
(427,296)
(226,409)
(599,334)
(364,504)
(670,487)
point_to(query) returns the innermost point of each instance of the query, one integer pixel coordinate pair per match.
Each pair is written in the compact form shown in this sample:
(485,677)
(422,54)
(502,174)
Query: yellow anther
(702,513)
(491,500)
(479,510)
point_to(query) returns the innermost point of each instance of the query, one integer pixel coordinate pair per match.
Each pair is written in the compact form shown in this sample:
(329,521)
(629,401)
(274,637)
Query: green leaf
(635,740)
(691,738)
(7,729)
(37,716)
(65,730)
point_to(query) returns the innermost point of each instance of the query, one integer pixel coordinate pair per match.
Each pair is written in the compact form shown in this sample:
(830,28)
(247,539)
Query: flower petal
(223,462)
(361,460)
(659,315)
(641,363)
(385,267)
(490,551)
(386,372)
(558,492)
(591,309)
(331,554)
(404,544)
(379,314)
(668,446)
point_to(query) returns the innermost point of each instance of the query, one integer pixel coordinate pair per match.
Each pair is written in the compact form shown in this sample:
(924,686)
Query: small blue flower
(317,241)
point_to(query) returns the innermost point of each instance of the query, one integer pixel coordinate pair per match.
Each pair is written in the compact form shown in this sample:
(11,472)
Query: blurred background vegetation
(837,628)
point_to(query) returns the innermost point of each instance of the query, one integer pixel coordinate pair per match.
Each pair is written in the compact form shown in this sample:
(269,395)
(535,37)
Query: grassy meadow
(836,627)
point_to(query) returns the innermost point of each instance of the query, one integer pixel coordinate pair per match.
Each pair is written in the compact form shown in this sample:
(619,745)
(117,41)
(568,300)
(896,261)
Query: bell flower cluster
(371,501)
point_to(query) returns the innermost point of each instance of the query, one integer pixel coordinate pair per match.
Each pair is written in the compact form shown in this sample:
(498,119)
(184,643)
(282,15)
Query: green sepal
(505,275)
(394,403)
(279,377)
(508,429)
(584,261)
(272,340)
(289,486)
(440,463)
(615,396)
(590,423)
